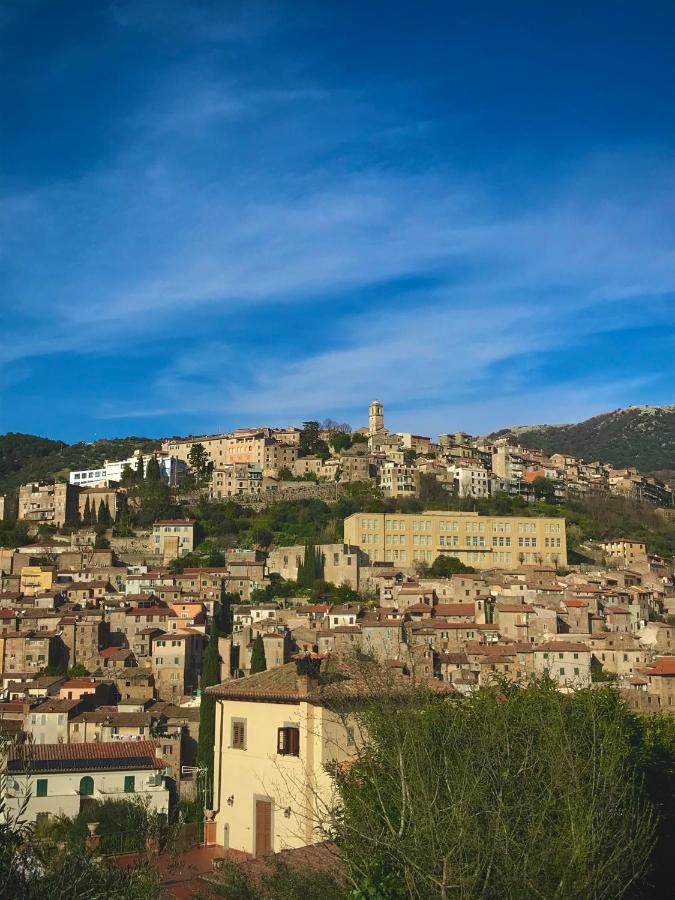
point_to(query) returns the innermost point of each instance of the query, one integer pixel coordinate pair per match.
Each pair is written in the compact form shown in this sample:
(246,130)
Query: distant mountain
(26,457)
(640,436)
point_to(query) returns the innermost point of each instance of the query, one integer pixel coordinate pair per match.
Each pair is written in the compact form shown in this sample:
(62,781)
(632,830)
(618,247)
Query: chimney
(307,667)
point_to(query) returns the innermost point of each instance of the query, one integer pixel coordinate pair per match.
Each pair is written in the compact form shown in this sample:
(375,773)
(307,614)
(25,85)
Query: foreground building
(59,779)
(278,735)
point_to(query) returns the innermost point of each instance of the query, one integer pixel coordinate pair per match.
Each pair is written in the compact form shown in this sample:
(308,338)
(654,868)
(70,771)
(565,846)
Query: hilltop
(640,436)
(27,457)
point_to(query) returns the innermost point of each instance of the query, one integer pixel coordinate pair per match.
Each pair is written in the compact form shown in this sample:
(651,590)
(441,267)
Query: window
(87,786)
(288,741)
(238,734)
(129,784)
(41,787)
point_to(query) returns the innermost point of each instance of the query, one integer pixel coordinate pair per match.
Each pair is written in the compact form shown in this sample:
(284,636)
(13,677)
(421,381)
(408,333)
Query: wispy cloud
(225,198)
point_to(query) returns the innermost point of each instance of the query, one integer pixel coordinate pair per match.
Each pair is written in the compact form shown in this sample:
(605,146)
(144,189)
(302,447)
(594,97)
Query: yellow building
(275,741)
(484,542)
(36,579)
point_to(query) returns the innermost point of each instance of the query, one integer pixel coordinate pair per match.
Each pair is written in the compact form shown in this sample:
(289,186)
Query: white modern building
(171,469)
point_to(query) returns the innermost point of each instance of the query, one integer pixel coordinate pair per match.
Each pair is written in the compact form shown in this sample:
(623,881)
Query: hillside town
(103,636)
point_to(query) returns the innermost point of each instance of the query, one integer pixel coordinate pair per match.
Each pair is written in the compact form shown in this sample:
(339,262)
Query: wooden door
(263,827)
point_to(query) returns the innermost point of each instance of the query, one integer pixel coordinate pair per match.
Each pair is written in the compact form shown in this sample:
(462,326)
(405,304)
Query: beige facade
(173,538)
(398,480)
(55,504)
(236,480)
(484,542)
(626,552)
(567,662)
(274,743)
(100,496)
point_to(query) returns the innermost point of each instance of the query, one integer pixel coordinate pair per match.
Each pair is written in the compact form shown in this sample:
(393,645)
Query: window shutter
(281,740)
(294,736)
(238,735)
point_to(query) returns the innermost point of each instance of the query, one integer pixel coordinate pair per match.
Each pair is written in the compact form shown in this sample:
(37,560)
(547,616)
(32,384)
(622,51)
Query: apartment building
(236,480)
(52,504)
(172,538)
(626,552)
(484,542)
(398,480)
(171,469)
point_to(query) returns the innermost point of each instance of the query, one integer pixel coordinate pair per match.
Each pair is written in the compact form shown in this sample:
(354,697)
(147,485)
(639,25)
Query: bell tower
(375,418)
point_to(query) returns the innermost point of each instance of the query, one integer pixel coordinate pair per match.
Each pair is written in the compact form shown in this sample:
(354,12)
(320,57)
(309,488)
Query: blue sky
(221,214)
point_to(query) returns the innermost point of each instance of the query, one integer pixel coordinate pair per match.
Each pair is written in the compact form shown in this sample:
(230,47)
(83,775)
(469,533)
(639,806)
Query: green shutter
(129,784)
(41,787)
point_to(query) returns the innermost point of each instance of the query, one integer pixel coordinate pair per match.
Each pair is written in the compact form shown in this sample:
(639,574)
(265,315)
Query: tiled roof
(340,679)
(664,665)
(150,611)
(176,522)
(563,647)
(83,757)
(455,609)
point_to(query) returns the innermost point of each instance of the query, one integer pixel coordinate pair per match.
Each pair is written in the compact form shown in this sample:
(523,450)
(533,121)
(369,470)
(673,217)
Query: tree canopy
(518,792)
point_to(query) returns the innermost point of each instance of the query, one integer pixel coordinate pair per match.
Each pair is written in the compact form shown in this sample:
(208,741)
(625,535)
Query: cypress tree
(139,468)
(86,515)
(153,472)
(104,517)
(210,675)
(258,661)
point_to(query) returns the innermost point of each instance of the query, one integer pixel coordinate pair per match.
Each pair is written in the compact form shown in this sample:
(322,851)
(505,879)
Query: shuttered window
(238,734)
(288,741)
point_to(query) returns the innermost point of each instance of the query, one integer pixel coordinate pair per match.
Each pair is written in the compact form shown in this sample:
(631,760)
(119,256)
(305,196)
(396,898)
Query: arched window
(86,786)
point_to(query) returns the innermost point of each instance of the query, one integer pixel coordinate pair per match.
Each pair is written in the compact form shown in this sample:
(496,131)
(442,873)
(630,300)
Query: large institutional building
(484,542)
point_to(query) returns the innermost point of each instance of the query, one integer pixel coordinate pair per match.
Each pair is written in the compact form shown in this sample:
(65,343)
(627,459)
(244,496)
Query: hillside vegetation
(641,436)
(26,457)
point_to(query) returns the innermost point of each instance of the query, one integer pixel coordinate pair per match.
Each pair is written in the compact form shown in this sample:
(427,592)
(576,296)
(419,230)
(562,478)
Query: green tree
(340,441)
(198,459)
(310,569)
(140,469)
(544,489)
(128,475)
(258,661)
(358,438)
(431,491)
(86,514)
(104,517)
(309,438)
(210,675)
(449,798)
(101,542)
(153,472)
(444,566)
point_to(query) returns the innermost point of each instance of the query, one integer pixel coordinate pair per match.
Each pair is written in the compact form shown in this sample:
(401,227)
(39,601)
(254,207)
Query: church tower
(376,418)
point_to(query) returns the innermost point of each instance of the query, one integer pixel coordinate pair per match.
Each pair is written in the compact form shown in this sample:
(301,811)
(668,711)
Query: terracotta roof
(83,757)
(150,611)
(617,610)
(664,665)
(78,683)
(340,679)
(563,647)
(111,652)
(455,609)
(575,604)
(175,522)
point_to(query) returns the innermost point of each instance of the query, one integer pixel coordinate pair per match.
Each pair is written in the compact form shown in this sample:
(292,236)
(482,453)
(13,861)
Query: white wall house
(171,469)
(59,778)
